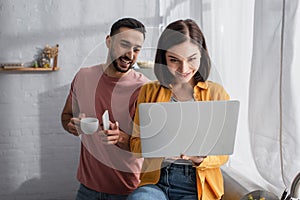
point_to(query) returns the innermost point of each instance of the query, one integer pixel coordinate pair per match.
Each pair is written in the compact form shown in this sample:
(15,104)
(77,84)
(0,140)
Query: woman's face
(183,61)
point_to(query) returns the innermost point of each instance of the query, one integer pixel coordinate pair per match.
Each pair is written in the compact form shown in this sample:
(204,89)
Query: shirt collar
(202,85)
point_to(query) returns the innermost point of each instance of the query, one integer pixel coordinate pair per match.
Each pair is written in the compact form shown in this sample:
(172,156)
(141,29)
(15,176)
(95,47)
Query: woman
(182,66)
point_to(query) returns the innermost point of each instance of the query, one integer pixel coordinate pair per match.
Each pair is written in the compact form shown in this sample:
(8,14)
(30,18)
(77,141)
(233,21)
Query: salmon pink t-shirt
(107,168)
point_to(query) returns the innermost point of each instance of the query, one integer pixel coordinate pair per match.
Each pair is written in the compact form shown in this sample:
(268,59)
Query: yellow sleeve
(213,162)
(135,141)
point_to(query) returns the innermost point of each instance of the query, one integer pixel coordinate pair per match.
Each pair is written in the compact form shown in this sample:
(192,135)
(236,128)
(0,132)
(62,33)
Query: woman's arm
(135,141)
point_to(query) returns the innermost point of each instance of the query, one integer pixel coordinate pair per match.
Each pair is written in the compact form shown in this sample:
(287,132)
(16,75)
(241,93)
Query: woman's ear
(107,41)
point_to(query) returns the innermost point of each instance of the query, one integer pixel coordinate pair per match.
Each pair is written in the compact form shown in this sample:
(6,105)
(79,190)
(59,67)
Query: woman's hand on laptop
(197,160)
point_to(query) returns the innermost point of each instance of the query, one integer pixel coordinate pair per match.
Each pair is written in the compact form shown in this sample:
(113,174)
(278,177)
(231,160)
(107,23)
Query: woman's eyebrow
(173,56)
(193,54)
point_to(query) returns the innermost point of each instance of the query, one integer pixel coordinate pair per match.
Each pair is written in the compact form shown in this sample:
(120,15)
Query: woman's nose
(184,66)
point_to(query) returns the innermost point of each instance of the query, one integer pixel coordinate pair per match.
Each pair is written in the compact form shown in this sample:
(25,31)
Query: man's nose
(130,54)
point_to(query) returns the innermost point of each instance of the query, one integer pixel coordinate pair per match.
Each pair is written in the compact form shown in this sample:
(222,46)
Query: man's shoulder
(89,73)
(89,70)
(139,77)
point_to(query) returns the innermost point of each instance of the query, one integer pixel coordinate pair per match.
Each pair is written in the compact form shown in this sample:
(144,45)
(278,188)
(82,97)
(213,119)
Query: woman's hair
(176,33)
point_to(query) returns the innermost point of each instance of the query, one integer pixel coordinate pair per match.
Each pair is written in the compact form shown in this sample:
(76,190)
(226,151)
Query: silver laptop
(198,128)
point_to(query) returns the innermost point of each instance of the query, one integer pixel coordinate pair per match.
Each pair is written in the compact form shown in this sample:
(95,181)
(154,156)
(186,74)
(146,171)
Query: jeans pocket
(192,178)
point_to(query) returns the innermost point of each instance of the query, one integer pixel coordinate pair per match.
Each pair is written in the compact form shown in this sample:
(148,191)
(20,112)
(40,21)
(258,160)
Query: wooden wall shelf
(31,69)
(18,67)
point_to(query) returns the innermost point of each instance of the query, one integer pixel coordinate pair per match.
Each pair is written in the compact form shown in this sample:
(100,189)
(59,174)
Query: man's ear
(107,41)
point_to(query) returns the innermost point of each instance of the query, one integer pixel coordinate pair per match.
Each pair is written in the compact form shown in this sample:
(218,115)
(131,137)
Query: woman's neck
(182,92)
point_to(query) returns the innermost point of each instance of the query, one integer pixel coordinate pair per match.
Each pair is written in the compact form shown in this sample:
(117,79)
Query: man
(107,169)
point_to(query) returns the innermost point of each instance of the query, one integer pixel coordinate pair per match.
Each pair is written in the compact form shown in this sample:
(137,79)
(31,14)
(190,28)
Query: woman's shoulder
(154,92)
(209,85)
(214,85)
(154,88)
(153,85)
(211,91)
(217,90)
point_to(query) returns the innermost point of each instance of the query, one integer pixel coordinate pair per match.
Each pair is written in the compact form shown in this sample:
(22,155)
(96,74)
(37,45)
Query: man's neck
(110,71)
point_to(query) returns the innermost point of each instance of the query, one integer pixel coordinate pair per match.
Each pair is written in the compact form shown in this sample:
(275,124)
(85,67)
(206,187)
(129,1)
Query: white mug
(89,125)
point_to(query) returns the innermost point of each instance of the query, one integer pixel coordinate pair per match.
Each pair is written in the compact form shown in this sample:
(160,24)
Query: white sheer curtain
(228,27)
(254,46)
(273,110)
(172,10)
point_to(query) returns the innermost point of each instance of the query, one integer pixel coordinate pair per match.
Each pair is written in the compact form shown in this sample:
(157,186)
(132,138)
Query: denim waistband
(184,169)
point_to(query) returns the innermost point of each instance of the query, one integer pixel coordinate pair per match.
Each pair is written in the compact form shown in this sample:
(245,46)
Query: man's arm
(70,123)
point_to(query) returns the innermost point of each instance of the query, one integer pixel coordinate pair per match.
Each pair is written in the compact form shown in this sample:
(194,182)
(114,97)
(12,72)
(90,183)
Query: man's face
(124,48)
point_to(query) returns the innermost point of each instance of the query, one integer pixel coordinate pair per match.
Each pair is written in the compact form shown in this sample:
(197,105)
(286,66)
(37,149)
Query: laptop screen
(198,128)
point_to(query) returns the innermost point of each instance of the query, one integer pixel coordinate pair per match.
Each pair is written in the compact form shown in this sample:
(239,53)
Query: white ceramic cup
(89,125)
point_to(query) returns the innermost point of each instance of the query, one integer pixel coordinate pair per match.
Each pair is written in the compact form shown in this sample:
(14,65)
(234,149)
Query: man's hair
(128,23)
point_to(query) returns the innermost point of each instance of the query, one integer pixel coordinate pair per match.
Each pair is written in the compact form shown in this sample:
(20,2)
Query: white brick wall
(38,159)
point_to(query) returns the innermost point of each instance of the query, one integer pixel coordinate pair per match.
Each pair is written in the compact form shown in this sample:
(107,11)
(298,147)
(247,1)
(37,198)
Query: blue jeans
(85,193)
(176,182)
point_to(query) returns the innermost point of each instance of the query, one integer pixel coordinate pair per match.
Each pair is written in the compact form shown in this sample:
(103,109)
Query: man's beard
(116,66)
